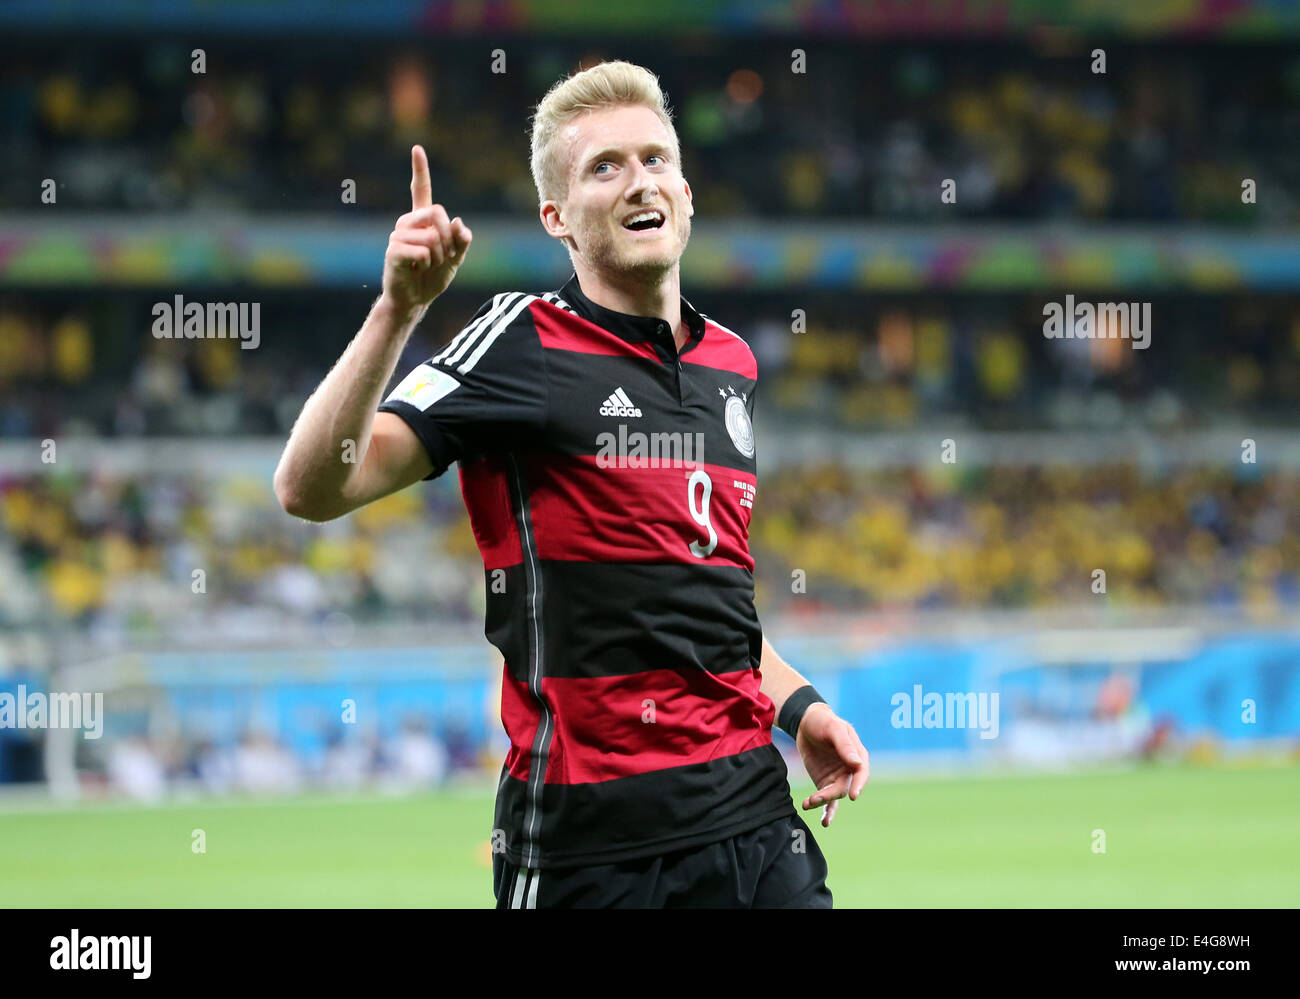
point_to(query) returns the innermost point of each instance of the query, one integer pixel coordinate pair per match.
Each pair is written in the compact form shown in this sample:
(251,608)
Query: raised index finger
(421,188)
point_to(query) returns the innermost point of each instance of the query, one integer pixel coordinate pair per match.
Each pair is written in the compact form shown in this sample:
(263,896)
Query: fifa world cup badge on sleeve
(424,386)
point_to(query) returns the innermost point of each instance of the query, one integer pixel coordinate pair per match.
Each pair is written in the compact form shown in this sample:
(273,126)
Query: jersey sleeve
(485,390)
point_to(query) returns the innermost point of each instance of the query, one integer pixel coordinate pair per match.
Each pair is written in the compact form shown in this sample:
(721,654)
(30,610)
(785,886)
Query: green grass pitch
(1176,836)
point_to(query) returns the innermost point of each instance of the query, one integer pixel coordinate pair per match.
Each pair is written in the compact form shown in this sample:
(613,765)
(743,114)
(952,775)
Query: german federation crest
(738,425)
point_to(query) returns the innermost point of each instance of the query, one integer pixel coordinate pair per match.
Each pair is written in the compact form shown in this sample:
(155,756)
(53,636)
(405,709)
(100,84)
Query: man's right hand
(426,248)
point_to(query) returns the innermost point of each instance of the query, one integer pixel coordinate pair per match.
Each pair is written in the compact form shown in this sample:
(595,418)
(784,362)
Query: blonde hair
(608,84)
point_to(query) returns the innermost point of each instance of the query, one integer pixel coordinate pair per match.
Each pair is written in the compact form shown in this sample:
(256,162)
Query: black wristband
(795,705)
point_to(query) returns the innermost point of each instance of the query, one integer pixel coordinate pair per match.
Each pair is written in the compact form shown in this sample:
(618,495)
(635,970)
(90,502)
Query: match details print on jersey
(611,480)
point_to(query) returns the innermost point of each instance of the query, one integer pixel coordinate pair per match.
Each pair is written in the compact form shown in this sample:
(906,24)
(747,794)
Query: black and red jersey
(609,481)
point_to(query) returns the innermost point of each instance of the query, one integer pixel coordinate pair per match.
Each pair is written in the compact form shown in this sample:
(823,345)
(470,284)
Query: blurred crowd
(411,758)
(1027,129)
(169,551)
(90,366)
(171,554)
(1029,537)
(414,755)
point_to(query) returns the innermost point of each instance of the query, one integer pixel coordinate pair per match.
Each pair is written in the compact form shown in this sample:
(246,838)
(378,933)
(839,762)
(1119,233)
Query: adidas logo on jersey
(618,404)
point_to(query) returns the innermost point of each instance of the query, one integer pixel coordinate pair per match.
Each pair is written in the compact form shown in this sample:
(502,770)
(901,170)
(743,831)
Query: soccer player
(607,461)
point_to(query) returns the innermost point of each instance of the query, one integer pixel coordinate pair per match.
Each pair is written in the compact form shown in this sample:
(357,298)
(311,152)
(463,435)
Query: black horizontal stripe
(616,618)
(649,814)
(581,383)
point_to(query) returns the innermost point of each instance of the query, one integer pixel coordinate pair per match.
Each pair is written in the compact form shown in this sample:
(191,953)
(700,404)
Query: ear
(549,212)
(555,226)
(690,204)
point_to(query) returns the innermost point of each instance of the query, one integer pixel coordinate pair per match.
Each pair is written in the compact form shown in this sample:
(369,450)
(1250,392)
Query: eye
(654,156)
(597,167)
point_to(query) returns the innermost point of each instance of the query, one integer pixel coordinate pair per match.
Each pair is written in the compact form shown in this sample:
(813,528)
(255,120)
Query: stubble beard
(605,255)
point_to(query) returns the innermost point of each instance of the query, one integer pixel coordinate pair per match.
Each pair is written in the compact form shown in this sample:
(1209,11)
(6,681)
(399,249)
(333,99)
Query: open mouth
(641,221)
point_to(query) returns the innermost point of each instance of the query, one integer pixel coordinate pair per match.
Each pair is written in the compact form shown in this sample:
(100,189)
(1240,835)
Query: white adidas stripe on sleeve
(468,336)
(490,337)
(470,330)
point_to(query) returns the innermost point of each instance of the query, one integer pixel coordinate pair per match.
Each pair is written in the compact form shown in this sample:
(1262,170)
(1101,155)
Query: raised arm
(341,454)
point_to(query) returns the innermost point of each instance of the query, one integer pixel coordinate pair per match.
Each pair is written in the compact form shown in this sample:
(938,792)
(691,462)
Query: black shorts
(776,865)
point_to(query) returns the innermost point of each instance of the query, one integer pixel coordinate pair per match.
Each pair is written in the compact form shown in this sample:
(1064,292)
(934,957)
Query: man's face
(621,164)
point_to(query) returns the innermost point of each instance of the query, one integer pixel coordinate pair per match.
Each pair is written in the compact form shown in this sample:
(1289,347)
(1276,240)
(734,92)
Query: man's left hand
(835,759)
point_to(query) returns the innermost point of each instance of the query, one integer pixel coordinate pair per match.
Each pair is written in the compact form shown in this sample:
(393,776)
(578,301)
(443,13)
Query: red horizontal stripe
(719,349)
(604,731)
(585,513)
(604,728)
(561,330)
(520,714)
(485,484)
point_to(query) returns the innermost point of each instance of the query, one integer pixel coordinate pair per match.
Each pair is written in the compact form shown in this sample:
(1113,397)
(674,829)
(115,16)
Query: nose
(643,186)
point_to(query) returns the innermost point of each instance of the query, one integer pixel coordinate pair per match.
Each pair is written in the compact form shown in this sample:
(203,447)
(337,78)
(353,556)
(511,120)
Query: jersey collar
(634,329)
